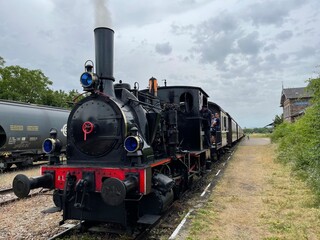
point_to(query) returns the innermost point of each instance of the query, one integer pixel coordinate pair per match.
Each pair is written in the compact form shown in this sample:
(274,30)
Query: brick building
(294,101)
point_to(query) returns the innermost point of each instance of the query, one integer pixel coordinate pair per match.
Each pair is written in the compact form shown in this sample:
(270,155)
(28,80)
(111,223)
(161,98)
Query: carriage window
(186,102)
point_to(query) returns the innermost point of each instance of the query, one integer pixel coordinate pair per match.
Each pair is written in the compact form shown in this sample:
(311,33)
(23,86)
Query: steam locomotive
(23,128)
(130,152)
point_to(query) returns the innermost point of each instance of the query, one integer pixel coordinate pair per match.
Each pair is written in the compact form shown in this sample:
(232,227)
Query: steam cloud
(102,14)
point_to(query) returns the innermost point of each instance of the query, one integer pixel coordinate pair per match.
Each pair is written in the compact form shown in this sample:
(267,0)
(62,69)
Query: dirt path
(256,198)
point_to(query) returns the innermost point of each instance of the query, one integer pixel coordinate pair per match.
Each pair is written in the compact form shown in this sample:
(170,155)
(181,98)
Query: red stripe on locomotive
(100,175)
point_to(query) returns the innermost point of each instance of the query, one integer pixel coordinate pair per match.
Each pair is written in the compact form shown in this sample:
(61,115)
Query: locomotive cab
(189,101)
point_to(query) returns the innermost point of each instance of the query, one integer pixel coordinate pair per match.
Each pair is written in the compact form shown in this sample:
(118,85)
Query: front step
(149,219)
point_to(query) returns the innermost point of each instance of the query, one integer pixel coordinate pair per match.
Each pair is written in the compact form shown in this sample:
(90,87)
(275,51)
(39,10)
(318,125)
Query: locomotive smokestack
(104,58)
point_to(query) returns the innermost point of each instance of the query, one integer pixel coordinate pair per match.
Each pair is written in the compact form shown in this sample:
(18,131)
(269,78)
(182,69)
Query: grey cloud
(271,58)
(224,22)
(220,37)
(284,35)
(181,30)
(270,47)
(148,12)
(215,39)
(187,1)
(283,56)
(250,44)
(163,48)
(215,49)
(305,52)
(272,12)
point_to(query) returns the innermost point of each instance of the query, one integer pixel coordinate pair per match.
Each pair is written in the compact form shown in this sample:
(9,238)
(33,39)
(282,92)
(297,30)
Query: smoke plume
(102,14)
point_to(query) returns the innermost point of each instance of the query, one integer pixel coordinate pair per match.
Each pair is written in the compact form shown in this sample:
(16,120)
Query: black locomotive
(24,127)
(130,152)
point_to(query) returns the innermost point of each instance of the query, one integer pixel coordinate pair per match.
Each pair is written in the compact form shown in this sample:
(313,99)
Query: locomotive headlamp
(87,79)
(133,143)
(50,145)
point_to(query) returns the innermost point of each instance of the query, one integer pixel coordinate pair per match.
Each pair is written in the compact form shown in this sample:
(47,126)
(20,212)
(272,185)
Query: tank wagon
(130,152)
(23,128)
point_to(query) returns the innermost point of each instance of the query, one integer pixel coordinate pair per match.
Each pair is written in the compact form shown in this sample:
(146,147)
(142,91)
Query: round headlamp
(133,143)
(49,145)
(87,79)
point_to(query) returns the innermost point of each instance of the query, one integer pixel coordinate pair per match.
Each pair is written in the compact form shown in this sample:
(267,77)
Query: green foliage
(281,131)
(2,62)
(299,142)
(59,98)
(256,130)
(278,120)
(31,86)
(22,84)
(314,87)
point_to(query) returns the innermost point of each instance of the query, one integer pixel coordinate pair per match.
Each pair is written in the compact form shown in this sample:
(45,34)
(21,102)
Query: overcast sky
(239,52)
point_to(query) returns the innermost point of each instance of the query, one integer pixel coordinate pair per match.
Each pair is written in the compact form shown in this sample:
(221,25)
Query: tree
(60,98)
(2,62)
(22,84)
(278,120)
(31,86)
(314,87)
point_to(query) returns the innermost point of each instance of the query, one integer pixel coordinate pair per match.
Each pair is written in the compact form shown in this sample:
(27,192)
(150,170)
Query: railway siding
(256,198)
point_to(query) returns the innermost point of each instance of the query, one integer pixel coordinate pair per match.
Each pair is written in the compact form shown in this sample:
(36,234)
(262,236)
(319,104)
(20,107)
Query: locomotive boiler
(24,127)
(130,152)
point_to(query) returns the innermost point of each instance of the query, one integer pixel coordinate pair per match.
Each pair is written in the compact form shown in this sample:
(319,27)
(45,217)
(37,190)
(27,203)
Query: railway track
(67,231)
(73,230)
(7,195)
(109,231)
(5,191)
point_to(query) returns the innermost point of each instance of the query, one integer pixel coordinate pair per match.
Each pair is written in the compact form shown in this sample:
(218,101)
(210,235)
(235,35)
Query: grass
(279,206)
(291,210)
(259,135)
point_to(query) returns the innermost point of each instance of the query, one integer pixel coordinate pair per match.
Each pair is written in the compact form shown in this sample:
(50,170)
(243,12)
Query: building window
(301,103)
